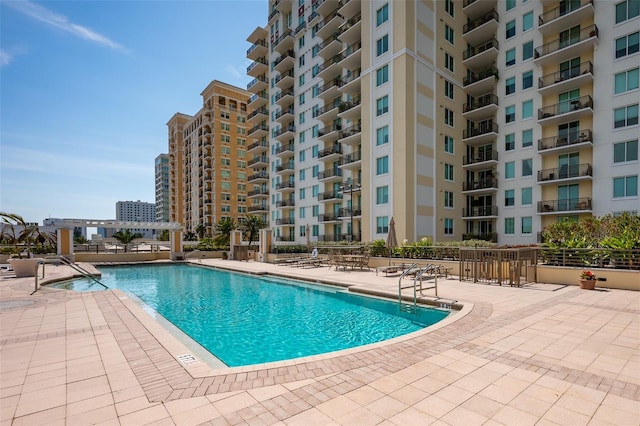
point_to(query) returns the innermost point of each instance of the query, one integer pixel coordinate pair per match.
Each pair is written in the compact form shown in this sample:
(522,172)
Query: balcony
(286,168)
(484,236)
(475,8)
(285,186)
(481,107)
(260,192)
(350,83)
(285,238)
(330,67)
(285,97)
(286,221)
(566,80)
(483,82)
(257,84)
(328,112)
(329,24)
(351,55)
(300,28)
(481,160)
(480,212)
(285,115)
(285,132)
(567,15)
(330,47)
(273,14)
(566,173)
(257,50)
(258,67)
(347,212)
(329,195)
(284,42)
(262,160)
(258,177)
(257,115)
(286,203)
(258,208)
(569,205)
(283,6)
(284,62)
(259,146)
(350,110)
(569,142)
(480,186)
(285,80)
(481,28)
(329,132)
(332,153)
(351,161)
(329,90)
(481,56)
(561,50)
(257,131)
(284,150)
(570,110)
(351,135)
(328,217)
(481,134)
(258,100)
(350,30)
(330,175)
(325,7)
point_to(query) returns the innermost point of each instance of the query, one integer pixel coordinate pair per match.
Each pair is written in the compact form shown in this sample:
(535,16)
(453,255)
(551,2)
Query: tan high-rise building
(208,164)
(460,119)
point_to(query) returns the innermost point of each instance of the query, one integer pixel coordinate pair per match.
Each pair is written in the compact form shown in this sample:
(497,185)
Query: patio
(540,354)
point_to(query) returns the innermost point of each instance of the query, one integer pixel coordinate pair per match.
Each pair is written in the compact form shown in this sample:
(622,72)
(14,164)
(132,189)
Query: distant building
(137,211)
(162,188)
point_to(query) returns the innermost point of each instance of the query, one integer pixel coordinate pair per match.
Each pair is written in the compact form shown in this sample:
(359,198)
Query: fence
(497,266)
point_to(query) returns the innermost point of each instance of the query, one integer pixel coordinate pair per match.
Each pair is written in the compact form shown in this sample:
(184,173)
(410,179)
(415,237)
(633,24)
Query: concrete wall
(615,278)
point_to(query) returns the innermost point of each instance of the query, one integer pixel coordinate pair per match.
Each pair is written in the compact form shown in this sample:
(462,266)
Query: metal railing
(557,44)
(573,138)
(565,107)
(566,205)
(565,8)
(565,172)
(480,157)
(491,16)
(480,102)
(475,50)
(568,74)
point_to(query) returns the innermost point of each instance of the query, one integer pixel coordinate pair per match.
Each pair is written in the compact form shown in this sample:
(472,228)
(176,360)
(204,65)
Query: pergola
(64,230)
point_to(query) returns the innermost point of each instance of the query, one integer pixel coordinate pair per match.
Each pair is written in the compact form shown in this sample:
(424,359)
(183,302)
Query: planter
(588,284)
(24,267)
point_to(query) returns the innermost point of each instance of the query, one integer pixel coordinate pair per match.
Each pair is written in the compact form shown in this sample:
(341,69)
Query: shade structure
(307,232)
(392,240)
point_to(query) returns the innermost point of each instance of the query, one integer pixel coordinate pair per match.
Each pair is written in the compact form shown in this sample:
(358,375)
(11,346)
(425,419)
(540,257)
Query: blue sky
(87,87)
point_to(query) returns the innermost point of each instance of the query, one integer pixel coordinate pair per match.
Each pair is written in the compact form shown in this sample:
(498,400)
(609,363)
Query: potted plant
(587,280)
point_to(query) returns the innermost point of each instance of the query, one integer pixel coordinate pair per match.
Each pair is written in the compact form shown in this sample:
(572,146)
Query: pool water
(246,319)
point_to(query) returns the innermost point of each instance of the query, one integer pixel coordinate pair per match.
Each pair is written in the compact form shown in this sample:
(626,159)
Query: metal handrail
(67,262)
(406,271)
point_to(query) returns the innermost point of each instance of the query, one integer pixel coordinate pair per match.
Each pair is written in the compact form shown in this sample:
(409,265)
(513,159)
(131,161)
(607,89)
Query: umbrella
(392,240)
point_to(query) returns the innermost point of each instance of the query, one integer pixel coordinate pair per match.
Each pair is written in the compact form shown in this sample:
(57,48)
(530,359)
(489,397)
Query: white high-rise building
(137,211)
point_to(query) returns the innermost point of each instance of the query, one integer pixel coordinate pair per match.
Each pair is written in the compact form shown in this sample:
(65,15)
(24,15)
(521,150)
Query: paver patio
(542,354)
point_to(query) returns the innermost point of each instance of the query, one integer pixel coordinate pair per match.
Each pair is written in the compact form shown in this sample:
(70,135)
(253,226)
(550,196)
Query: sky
(87,87)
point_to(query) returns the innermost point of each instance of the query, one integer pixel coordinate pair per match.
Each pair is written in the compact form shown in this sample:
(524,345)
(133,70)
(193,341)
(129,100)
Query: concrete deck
(541,354)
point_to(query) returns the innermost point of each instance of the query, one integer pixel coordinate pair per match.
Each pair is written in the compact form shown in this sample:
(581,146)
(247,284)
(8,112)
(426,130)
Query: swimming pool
(246,319)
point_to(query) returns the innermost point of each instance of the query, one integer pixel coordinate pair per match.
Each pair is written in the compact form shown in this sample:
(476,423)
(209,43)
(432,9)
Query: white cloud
(5,58)
(235,71)
(42,14)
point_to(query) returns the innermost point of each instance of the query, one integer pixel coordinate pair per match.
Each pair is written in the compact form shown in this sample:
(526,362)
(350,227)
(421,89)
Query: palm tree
(125,236)
(252,226)
(223,231)
(12,224)
(201,230)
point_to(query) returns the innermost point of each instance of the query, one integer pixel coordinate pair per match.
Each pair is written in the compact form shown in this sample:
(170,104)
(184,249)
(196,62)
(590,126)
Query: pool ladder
(407,307)
(67,262)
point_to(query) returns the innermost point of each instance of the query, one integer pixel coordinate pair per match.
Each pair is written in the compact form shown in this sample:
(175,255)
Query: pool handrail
(67,262)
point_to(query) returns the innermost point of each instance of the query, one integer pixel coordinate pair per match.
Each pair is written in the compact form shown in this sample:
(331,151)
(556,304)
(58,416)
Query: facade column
(65,243)
(264,244)
(175,238)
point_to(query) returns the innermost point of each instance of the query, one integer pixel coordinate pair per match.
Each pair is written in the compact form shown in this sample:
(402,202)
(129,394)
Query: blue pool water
(245,319)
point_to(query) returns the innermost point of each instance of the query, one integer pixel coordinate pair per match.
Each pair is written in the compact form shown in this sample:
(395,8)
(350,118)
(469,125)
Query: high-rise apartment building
(137,211)
(207,157)
(458,118)
(162,187)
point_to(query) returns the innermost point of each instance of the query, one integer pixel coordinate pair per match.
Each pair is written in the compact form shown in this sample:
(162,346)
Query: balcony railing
(327,107)
(260,175)
(299,28)
(284,111)
(565,140)
(352,75)
(565,8)
(488,183)
(329,129)
(258,79)
(327,217)
(258,127)
(329,195)
(259,207)
(255,96)
(284,35)
(480,211)
(282,94)
(329,62)
(566,205)
(565,107)
(481,157)
(262,159)
(354,102)
(329,85)
(480,130)
(351,49)
(261,191)
(555,45)
(329,151)
(333,37)
(346,211)
(475,77)
(480,102)
(286,166)
(329,173)
(566,171)
(285,185)
(256,45)
(255,63)
(284,56)
(284,148)
(286,221)
(351,158)
(262,143)
(351,130)
(289,73)
(350,23)
(286,203)
(256,112)
(573,72)
(493,15)
(326,20)
(475,50)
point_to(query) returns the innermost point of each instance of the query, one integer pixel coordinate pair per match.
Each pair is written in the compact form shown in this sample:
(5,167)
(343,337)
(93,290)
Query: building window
(301,117)
(626,10)
(625,116)
(527,50)
(510,197)
(315,230)
(448,172)
(448,7)
(448,117)
(382,135)
(527,196)
(301,80)
(510,114)
(382,15)
(628,45)
(626,81)
(382,165)
(626,186)
(509,170)
(303,195)
(527,109)
(509,225)
(511,4)
(527,138)
(315,190)
(510,58)
(625,151)
(527,225)
(510,86)
(448,144)
(315,70)
(301,42)
(448,226)
(448,61)
(303,174)
(302,137)
(382,75)
(448,199)
(448,33)
(527,167)
(448,89)
(301,61)
(527,21)
(315,210)
(314,151)
(382,195)
(301,99)
(382,105)
(511,28)
(510,142)
(527,80)
(382,224)
(382,45)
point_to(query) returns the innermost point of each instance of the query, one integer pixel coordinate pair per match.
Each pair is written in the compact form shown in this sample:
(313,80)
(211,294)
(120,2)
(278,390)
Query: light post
(350,187)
